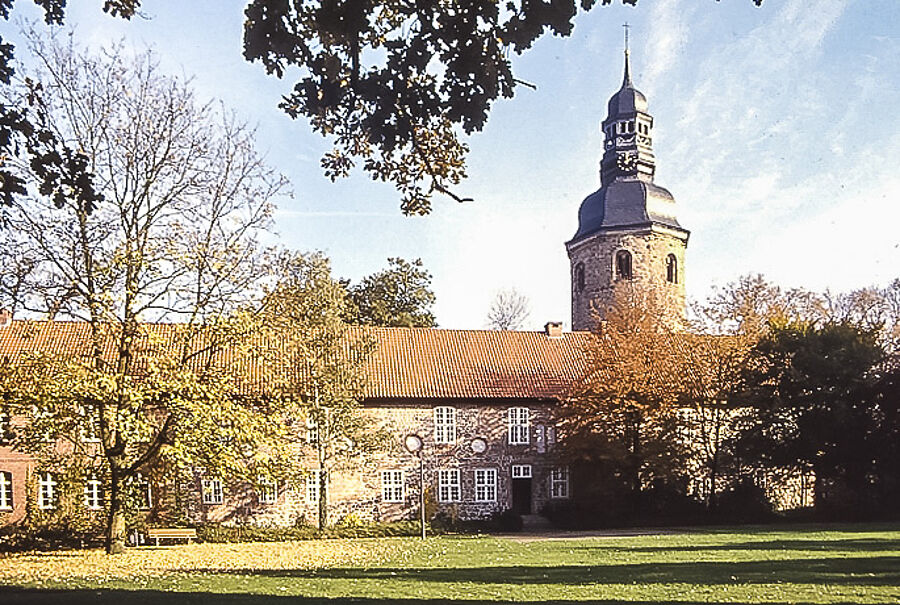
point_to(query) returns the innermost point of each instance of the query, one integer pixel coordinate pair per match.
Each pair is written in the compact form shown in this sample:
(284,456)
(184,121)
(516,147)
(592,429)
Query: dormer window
(672,269)
(623,264)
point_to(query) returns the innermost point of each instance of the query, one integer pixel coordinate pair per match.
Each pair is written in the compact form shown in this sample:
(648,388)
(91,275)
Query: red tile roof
(435,363)
(408,363)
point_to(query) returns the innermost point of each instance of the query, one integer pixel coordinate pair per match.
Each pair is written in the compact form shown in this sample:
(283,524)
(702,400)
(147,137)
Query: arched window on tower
(672,269)
(578,278)
(623,264)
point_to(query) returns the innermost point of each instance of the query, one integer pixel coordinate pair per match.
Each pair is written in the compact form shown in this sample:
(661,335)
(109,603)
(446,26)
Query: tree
(399,296)
(748,306)
(509,310)
(393,83)
(61,170)
(873,308)
(184,197)
(709,380)
(623,418)
(816,406)
(318,365)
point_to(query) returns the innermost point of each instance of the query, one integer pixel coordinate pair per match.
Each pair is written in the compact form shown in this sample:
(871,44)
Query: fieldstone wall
(357,488)
(649,248)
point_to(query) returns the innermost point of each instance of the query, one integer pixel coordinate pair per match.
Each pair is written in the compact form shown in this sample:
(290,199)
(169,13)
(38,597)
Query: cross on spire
(626,81)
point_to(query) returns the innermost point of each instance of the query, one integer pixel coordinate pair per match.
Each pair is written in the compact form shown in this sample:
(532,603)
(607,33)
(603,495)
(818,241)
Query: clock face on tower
(626,161)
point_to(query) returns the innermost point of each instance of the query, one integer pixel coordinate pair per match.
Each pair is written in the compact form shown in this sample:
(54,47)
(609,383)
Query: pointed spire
(626,81)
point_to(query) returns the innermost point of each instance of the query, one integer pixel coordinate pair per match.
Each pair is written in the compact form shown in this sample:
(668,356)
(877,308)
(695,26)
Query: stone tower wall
(649,248)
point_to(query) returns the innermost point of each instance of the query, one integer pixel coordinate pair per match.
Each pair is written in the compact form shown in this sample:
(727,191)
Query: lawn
(822,564)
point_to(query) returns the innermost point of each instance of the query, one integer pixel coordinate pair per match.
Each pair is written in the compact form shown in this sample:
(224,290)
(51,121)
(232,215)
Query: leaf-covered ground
(846,564)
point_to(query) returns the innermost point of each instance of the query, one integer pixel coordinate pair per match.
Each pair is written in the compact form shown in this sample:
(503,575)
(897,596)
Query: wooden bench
(174,533)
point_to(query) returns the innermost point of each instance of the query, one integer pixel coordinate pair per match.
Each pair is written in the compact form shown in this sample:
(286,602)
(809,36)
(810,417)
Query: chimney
(5,318)
(553,329)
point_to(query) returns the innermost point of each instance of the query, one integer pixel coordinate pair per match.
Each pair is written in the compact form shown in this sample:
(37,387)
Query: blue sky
(776,128)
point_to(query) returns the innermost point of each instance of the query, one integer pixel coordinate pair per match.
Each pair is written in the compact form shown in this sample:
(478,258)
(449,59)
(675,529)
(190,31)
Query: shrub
(352,529)
(54,536)
(445,521)
(666,504)
(507,520)
(746,502)
(351,520)
(565,514)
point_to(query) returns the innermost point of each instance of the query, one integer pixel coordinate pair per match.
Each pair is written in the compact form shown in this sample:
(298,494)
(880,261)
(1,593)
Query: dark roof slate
(626,202)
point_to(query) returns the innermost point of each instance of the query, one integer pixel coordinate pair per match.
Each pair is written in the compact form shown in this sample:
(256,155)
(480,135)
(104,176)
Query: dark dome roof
(626,202)
(626,102)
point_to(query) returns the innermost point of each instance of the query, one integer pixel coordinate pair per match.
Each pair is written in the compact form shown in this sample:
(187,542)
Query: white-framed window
(93,493)
(6,490)
(42,418)
(521,471)
(449,489)
(551,436)
(144,492)
(519,423)
(6,433)
(444,424)
(312,485)
(392,486)
(312,430)
(267,490)
(47,493)
(89,425)
(212,491)
(485,485)
(559,482)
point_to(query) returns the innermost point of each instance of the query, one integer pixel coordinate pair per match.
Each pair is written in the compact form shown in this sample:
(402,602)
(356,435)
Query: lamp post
(413,444)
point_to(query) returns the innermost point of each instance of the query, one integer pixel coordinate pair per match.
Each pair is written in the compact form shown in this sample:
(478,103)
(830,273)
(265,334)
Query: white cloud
(665,41)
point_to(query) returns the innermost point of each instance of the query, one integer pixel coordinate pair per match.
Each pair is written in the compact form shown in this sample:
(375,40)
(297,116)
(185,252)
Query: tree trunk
(713,477)
(115,521)
(323,480)
(635,462)
(323,499)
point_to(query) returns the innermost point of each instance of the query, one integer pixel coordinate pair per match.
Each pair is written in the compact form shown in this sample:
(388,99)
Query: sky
(776,128)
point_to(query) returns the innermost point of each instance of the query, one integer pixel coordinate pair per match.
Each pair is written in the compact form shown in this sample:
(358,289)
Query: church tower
(628,236)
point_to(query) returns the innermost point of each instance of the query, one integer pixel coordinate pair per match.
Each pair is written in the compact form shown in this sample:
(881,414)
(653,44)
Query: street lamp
(413,444)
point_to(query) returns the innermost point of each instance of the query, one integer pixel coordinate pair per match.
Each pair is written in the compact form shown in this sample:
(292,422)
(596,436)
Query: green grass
(838,564)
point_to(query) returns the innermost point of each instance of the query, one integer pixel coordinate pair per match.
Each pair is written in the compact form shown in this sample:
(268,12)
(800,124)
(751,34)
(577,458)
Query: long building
(480,401)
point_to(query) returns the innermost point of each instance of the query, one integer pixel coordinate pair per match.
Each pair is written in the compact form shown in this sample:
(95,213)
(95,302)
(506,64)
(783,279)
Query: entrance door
(521,496)
(521,489)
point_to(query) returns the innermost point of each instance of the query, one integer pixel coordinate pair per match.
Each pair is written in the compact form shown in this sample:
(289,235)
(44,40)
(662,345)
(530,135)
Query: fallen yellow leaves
(96,566)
